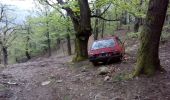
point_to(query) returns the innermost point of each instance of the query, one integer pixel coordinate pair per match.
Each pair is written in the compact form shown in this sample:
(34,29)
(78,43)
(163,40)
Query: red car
(106,49)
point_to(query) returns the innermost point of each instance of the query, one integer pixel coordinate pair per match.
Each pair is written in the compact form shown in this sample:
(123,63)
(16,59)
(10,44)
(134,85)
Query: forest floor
(56,78)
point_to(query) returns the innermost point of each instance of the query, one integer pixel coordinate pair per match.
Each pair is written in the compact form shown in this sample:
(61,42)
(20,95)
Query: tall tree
(80,16)
(47,30)
(148,54)
(27,47)
(7,31)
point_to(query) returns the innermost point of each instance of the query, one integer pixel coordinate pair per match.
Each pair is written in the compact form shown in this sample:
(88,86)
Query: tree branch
(105,10)
(104,18)
(55,8)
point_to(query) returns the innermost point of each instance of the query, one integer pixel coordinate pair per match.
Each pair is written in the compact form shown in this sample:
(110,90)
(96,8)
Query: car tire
(120,58)
(95,63)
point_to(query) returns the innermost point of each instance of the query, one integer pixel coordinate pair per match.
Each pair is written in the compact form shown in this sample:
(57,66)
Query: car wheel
(95,63)
(120,58)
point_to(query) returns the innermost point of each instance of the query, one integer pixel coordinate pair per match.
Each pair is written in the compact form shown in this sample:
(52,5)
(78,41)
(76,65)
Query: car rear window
(103,44)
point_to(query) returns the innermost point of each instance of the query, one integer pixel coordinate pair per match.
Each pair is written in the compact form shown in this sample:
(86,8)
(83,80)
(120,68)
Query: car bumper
(104,58)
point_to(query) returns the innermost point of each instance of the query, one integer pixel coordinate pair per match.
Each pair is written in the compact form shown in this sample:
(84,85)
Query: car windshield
(103,44)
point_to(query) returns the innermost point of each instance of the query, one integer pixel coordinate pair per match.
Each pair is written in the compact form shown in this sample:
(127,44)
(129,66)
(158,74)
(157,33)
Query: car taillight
(110,53)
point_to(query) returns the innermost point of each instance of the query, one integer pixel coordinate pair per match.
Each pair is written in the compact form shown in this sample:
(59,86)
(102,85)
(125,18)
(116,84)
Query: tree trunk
(62,46)
(138,21)
(136,25)
(103,27)
(148,54)
(58,43)
(27,54)
(5,55)
(81,48)
(68,44)
(83,31)
(49,44)
(96,28)
(48,33)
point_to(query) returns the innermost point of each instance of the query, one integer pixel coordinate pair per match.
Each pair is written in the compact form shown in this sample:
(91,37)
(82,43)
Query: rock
(12,83)
(45,83)
(59,81)
(84,70)
(103,70)
(106,78)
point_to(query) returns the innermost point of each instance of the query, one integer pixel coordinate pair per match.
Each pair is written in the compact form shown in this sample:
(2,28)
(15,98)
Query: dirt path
(55,78)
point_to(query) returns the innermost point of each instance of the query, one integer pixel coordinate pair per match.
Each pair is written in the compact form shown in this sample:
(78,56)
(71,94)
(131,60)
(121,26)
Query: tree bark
(81,48)
(83,31)
(68,44)
(96,28)
(58,41)
(138,21)
(5,55)
(103,27)
(48,32)
(136,25)
(148,53)
(27,54)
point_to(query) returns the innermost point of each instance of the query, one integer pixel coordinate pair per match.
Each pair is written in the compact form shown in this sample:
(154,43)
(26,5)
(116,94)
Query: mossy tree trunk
(83,31)
(81,48)
(148,54)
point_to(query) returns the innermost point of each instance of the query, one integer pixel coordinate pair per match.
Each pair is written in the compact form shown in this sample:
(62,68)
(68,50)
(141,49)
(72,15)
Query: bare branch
(55,8)
(105,10)
(105,18)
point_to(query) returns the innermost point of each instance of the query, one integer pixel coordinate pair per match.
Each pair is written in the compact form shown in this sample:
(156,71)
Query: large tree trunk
(5,55)
(81,48)
(148,54)
(83,31)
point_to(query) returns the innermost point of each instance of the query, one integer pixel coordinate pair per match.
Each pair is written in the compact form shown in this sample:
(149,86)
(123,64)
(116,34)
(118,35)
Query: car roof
(105,38)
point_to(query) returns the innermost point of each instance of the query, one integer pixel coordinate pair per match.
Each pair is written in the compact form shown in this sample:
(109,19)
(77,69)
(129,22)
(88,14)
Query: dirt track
(55,78)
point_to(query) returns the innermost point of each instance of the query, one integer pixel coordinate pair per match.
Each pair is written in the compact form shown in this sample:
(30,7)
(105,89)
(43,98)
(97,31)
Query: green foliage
(57,26)
(133,34)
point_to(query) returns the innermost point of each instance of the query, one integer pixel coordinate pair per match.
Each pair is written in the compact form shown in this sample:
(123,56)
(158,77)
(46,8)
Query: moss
(78,58)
